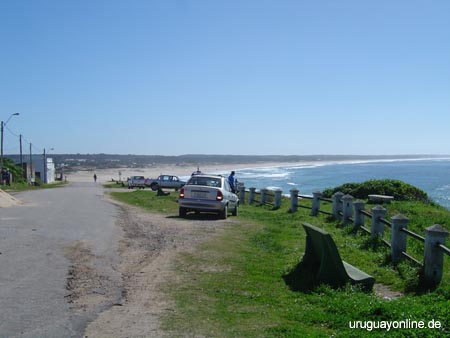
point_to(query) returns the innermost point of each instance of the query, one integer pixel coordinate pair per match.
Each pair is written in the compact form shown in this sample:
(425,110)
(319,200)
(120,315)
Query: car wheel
(182,212)
(154,186)
(235,210)
(224,213)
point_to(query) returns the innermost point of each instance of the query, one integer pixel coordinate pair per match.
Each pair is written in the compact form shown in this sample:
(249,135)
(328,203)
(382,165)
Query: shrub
(17,172)
(400,190)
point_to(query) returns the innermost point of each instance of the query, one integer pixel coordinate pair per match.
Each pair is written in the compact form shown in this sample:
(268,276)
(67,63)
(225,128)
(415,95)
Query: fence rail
(444,249)
(349,211)
(413,234)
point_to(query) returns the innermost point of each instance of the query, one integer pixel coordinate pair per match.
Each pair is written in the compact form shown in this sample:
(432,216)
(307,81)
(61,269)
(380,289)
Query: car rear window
(205,181)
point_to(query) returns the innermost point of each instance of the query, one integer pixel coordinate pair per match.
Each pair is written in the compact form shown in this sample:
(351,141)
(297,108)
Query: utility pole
(45,169)
(1,160)
(21,157)
(31,165)
(1,138)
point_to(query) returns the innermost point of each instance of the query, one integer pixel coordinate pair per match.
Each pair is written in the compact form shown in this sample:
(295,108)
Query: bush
(400,190)
(16,171)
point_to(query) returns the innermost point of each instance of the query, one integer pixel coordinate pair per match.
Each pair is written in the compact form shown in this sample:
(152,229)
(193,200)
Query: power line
(32,146)
(12,133)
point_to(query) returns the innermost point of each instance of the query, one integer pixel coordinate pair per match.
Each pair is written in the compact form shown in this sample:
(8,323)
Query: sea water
(430,175)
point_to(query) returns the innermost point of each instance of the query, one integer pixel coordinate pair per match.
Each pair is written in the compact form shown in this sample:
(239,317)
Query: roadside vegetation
(16,187)
(21,184)
(115,184)
(400,190)
(233,285)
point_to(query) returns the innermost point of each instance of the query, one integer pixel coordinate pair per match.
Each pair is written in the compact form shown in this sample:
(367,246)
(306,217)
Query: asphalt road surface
(37,241)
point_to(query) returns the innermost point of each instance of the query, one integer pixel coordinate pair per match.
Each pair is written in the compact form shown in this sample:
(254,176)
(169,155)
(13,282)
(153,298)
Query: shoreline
(107,175)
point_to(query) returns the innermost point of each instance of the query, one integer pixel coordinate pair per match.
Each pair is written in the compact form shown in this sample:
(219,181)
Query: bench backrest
(321,249)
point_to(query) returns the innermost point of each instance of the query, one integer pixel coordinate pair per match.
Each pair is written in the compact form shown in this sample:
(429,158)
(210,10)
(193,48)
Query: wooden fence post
(294,200)
(434,257)
(377,226)
(264,193)
(398,237)
(347,208)
(358,220)
(251,195)
(277,198)
(242,194)
(337,205)
(316,203)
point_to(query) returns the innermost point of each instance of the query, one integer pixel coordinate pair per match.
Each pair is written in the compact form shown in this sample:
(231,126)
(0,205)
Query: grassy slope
(233,285)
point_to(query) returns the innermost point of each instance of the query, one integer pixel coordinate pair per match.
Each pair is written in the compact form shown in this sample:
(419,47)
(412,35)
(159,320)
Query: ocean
(430,175)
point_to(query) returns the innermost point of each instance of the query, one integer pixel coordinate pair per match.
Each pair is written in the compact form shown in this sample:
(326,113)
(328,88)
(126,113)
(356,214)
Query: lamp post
(3,124)
(45,165)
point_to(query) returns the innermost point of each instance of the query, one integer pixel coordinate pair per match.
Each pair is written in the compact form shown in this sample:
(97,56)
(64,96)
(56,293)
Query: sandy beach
(107,175)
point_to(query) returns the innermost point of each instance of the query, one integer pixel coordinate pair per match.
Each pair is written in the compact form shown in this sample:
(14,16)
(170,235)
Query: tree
(16,171)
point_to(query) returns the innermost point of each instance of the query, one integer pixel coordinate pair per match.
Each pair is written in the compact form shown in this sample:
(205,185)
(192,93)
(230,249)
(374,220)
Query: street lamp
(3,124)
(45,164)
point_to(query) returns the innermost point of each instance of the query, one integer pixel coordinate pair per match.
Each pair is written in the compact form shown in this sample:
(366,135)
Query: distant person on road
(95,177)
(231,181)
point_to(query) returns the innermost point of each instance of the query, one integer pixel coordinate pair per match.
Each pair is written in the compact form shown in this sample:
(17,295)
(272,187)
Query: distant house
(47,174)
(36,169)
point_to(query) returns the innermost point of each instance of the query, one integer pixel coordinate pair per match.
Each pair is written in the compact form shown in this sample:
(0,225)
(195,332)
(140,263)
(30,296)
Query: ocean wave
(258,176)
(316,164)
(273,188)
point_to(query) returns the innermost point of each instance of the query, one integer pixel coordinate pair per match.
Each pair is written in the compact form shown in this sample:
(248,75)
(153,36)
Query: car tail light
(182,193)
(219,196)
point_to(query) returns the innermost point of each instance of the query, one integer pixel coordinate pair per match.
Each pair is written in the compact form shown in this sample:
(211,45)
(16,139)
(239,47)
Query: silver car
(208,193)
(164,181)
(136,182)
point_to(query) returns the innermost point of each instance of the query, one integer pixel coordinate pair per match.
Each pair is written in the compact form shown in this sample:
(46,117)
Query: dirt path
(150,242)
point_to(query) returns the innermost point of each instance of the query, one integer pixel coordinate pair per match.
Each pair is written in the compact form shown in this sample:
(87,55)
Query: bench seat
(380,198)
(323,259)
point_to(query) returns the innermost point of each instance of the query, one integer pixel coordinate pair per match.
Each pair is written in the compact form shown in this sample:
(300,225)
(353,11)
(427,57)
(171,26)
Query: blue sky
(226,77)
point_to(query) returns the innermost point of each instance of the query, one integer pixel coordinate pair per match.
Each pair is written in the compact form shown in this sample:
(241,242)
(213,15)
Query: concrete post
(377,227)
(316,203)
(398,237)
(294,200)
(434,257)
(358,219)
(242,194)
(264,193)
(347,208)
(251,195)
(277,198)
(337,205)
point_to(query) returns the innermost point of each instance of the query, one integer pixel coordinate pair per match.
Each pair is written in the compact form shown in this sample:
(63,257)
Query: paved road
(34,266)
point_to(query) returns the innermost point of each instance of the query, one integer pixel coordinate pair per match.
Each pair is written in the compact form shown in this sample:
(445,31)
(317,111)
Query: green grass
(115,184)
(233,285)
(16,187)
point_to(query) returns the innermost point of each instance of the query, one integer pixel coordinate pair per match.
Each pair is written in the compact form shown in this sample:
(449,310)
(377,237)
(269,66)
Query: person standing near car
(232,182)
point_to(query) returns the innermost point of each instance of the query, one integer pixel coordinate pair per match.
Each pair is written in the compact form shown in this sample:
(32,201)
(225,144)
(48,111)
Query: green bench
(323,260)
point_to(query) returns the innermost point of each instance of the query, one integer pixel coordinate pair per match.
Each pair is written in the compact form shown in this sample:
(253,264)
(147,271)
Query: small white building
(47,175)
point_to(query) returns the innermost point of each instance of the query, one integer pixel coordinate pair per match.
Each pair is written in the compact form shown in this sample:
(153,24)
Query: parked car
(136,182)
(208,193)
(164,181)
